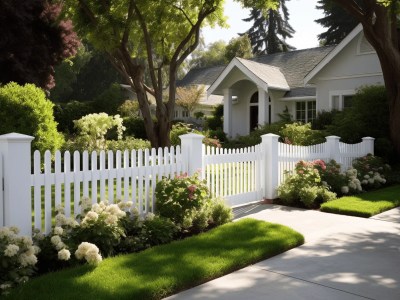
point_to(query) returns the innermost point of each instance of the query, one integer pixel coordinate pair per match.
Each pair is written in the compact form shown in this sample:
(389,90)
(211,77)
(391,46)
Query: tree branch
(184,13)
(88,12)
(353,8)
(148,43)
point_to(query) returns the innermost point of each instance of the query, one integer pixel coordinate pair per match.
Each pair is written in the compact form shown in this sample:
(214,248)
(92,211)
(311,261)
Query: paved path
(343,258)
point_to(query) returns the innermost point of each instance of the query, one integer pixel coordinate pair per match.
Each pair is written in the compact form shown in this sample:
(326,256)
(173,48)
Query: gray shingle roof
(204,76)
(301,92)
(294,65)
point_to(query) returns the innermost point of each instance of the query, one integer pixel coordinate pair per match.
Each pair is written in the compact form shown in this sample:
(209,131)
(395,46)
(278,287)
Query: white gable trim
(333,53)
(236,63)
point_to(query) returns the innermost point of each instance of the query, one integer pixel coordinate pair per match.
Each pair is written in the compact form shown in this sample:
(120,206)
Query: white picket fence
(233,174)
(239,175)
(129,175)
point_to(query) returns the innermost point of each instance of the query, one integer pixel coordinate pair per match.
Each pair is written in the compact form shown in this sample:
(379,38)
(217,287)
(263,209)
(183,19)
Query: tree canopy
(337,21)
(33,41)
(270,29)
(153,37)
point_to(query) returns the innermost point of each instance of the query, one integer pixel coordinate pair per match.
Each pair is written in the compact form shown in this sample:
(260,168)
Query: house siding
(347,72)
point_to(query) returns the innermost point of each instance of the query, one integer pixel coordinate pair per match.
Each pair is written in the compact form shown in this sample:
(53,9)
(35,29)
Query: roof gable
(333,53)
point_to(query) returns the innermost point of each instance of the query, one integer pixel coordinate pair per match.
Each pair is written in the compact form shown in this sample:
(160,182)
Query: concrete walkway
(343,258)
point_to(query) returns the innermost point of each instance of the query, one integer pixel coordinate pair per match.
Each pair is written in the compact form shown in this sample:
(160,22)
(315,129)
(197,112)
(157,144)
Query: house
(256,91)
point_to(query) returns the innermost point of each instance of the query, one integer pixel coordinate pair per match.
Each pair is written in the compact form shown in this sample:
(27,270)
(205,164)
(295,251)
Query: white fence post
(368,145)
(16,151)
(332,144)
(192,152)
(269,168)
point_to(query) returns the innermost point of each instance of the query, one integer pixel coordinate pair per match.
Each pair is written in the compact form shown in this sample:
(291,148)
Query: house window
(306,111)
(341,100)
(185,114)
(347,101)
(176,113)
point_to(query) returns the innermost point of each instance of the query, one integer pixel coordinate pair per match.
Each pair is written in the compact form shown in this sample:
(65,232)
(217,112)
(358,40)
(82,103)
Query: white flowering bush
(372,172)
(93,128)
(90,252)
(17,258)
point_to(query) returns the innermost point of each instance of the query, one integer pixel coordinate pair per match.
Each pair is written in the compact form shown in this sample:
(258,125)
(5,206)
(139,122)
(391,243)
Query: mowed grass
(164,270)
(365,205)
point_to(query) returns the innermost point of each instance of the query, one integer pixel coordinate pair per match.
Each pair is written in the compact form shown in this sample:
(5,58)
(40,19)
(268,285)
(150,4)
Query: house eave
(299,98)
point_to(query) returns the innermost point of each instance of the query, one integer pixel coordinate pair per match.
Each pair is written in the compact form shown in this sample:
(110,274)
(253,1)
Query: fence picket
(47,191)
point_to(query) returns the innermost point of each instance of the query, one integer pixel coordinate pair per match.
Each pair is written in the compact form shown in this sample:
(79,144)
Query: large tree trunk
(380,28)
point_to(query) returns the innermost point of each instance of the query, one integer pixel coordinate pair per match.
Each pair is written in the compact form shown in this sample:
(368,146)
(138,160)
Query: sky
(302,16)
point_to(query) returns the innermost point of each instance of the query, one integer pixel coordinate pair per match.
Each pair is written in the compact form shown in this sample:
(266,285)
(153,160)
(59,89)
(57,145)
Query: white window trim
(295,110)
(341,94)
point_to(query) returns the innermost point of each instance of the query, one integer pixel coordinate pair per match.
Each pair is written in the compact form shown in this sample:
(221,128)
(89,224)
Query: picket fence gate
(240,176)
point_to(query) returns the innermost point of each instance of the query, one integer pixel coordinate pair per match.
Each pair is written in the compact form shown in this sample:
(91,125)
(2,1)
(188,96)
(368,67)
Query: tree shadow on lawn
(364,262)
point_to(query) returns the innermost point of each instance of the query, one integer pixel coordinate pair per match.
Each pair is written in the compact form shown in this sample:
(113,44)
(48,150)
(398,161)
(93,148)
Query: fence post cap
(368,138)
(332,137)
(16,137)
(191,136)
(270,135)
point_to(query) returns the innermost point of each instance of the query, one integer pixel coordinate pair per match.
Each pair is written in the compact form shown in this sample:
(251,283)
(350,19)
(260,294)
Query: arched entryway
(254,111)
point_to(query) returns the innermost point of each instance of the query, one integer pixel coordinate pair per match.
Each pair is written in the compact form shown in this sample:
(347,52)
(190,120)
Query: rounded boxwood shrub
(25,109)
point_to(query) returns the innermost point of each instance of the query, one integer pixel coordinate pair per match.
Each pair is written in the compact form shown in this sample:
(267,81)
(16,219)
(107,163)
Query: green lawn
(366,204)
(167,269)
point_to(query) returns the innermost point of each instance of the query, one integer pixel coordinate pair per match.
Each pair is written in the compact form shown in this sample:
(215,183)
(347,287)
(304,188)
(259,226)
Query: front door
(254,111)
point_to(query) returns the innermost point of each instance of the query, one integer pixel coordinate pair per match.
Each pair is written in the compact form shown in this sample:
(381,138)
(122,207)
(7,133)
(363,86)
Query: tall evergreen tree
(337,20)
(270,30)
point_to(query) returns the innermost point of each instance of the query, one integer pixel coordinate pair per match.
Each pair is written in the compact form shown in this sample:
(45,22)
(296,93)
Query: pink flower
(300,172)
(192,188)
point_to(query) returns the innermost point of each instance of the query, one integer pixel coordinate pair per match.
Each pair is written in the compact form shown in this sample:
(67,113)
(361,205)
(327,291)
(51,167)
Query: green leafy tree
(270,29)
(25,109)
(336,20)
(213,55)
(239,47)
(379,19)
(142,36)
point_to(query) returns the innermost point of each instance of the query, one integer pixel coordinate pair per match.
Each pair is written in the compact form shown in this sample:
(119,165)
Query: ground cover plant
(167,269)
(366,204)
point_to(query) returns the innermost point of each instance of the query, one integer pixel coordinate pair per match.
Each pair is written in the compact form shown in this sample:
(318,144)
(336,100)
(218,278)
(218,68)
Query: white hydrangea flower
(30,251)
(26,241)
(55,240)
(60,219)
(5,232)
(93,257)
(86,203)
(149,216)
(36,249)
(345,189)
(27,260)
(58,230)
(60,246)
(366,176)
(111,220)
(97,208)
(14,229)
(88,251)
(72,222)
(134,211)
(365,182)
(5,286)
(11,250)
(64,254)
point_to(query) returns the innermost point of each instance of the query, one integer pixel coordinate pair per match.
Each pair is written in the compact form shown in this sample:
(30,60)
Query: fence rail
(239,175)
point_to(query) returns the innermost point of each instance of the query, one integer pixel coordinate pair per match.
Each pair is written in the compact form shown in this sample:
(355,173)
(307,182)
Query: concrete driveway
(343,258)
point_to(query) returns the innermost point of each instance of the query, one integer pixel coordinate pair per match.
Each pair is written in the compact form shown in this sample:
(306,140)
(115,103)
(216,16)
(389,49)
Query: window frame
(341,94)
(306,110)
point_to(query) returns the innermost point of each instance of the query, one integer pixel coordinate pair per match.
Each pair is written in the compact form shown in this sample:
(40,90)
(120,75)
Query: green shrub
(304,187)
(177,130)
(220,212)
(110,100)
(178,197)
(92,130)
(65,114)
(215,122)
(372,172)
(301,134)
(323,119)
(25,109)
(370,104)
(135,127)
(128,143)
(129,108)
